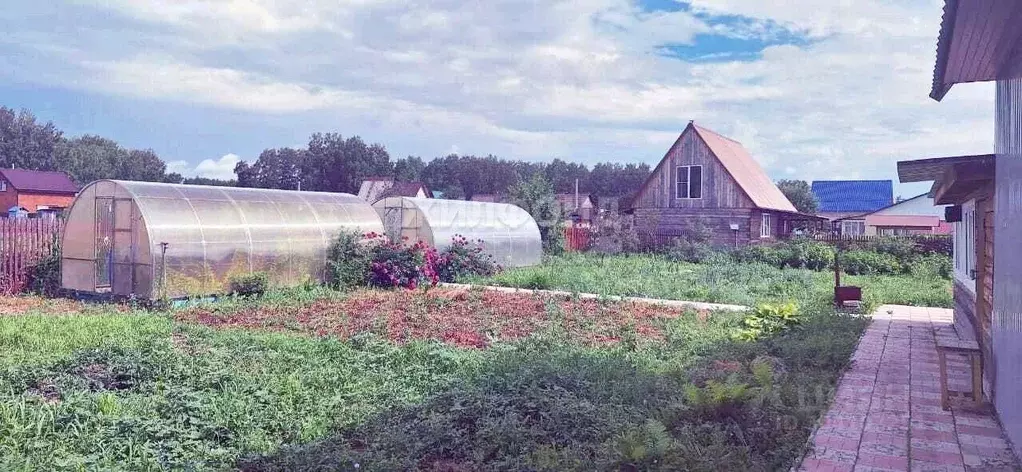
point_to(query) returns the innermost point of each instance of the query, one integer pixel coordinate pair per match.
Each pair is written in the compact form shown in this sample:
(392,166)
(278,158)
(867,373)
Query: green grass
(138,391)
(718,282)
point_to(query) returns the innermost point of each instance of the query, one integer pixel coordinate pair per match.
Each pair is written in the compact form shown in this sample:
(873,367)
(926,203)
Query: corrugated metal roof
(835,196)
(39,181)
(745,170)
(977,39)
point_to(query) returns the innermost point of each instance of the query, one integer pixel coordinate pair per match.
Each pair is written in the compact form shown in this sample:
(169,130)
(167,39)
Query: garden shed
(155,240)
(508,232)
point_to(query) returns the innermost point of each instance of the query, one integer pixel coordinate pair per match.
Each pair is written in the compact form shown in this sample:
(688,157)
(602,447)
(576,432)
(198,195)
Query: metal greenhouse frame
(508,232)
(154,240)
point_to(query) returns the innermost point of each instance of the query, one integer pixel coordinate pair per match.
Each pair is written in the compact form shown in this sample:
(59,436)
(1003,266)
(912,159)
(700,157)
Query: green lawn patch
(717,281)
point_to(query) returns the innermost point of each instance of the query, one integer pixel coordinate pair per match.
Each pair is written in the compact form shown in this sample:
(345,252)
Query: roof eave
(947,26)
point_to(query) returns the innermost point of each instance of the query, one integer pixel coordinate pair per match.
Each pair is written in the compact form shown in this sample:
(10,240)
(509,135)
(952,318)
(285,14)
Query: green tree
(88,158)
(536,196)
(26,143)
(409,169)
(800,194)
(335,164)
(274,168)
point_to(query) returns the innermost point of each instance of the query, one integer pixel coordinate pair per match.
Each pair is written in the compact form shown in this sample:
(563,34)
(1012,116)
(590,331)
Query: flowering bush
(395,265)
(462,258)
(371,259)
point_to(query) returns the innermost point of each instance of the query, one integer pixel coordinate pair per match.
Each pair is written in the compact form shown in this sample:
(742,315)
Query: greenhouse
(508,232)
(154,240)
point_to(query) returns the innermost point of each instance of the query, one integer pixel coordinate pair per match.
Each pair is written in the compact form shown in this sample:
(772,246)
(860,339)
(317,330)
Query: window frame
(766,226)
(688,182)
(964,258)
(860,226)
(3,185)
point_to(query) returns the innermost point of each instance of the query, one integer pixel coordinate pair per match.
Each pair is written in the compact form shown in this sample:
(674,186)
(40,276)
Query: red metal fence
(23,242)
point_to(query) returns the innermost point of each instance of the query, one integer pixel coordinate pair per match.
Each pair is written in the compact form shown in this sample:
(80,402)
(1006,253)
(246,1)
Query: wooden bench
(953,344)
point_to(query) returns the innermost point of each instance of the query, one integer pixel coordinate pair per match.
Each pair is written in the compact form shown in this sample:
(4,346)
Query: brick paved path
(886,414)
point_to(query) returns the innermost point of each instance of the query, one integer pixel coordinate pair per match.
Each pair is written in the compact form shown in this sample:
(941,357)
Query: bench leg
(977,378)
(942,359)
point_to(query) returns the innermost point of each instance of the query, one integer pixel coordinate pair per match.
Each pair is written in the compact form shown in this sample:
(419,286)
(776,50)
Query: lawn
(718,282)
(444,380)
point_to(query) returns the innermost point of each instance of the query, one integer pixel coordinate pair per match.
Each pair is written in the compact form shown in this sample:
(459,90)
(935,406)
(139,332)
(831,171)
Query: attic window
(690,182)
(3,185)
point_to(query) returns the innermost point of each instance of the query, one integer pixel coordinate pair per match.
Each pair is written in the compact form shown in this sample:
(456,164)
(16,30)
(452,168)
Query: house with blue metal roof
(842,198)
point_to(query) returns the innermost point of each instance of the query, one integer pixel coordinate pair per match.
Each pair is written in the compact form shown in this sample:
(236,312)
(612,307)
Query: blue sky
(814,89)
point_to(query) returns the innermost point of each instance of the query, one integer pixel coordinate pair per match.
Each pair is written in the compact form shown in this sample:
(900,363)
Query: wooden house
(711,181)
(967,183)
(981,41)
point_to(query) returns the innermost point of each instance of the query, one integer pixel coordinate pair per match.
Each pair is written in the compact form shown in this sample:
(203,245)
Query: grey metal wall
(1006,329)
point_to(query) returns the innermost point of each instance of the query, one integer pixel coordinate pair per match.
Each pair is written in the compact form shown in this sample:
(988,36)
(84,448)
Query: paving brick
(886,414)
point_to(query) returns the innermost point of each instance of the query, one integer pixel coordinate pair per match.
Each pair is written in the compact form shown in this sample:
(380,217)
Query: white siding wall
(919,206)
(1006,325)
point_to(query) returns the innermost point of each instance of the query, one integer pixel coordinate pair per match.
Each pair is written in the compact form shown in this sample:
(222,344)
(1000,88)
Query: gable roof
(749,175)
(568,199)
(39,181)
(404,189)
(738,163)
(840,196)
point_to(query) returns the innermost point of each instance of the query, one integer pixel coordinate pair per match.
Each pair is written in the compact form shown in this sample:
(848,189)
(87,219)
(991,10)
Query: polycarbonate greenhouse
(508,232)
(154,240)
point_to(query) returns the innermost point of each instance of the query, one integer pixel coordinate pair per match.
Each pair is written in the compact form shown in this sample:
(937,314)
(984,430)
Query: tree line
(330,162)
(334,163)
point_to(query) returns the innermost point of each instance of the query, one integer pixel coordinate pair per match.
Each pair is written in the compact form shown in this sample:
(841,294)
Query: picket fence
(23,242)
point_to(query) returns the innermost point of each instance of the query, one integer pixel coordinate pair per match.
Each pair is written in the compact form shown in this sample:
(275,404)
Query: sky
(832,89)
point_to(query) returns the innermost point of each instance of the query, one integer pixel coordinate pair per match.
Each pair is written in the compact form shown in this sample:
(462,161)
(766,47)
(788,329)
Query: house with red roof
(711,181)
(36,190)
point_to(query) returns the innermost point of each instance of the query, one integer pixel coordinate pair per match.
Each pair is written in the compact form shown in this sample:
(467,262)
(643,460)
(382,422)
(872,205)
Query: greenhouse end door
(114,250)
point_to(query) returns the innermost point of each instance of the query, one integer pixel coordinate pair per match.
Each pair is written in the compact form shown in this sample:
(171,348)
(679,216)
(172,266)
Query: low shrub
(869,263)
(348,260)
(690,251)
(932,265)
(250,285)
(902,249)
(762,253)
(44,276)
(768,319)
(802,253)
(464,258)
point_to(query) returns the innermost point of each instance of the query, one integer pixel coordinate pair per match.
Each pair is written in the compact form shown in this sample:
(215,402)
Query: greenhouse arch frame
(155,240)
(508,233)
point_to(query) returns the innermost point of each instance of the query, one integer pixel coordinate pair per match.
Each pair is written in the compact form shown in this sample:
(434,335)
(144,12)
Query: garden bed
(457,316)
(438,380)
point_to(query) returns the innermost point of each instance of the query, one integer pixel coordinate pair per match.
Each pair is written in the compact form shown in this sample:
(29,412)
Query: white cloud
(222,168)
(562,78)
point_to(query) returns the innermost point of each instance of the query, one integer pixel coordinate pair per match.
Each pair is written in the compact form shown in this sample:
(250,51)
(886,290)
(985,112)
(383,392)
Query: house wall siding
(680,221)
(719,189)
(1006,325)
